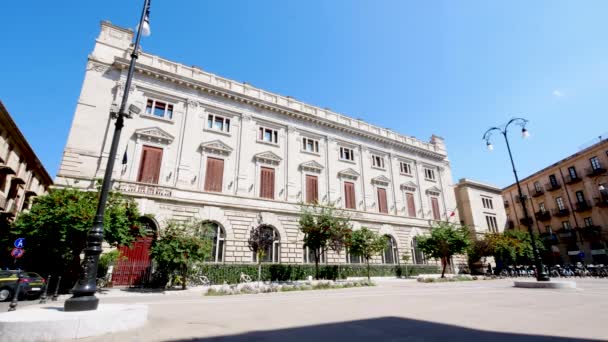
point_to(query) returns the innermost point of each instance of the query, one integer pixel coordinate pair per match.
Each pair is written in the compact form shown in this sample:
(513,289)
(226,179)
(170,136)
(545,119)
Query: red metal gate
(134,266)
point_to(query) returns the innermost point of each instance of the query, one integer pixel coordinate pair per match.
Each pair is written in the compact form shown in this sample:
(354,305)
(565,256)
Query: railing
(543,215)
(561,212)
(538,192)
(573,180)
(582,206)
(595,171)
(526,222)
(601,201)
(553,186)
(549,238)
(591,232)
(567,233)
(142,188)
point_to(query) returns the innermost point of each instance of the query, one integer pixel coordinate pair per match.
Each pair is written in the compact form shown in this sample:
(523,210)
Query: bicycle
(198,280)
(245,278)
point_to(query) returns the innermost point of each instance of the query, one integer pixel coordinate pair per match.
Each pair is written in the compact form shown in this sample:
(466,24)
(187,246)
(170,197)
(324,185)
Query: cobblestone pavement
(490,310)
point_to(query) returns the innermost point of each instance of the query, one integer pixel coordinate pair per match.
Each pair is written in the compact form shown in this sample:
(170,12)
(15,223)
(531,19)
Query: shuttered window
(349,195)
(411,205)
(435,207)
(312,189)
(267,182)
(214,174)
(149,166)
(382,206)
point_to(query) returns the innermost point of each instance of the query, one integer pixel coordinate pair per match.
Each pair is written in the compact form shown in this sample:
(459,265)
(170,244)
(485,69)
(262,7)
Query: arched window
(417,255)
(391,253)
(309,256)
(218,237)
(272,254)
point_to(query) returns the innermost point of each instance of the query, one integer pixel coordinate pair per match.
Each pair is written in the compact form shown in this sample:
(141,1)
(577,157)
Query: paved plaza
(395,310)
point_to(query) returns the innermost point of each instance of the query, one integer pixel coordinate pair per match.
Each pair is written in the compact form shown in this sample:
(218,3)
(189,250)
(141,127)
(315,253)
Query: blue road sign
(19,243)
(17,252)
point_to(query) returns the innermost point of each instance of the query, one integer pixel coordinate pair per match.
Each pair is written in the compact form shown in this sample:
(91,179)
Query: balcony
(143,188)
(548,238)
(591,232)
(595,171)
(526,221)
(542,215)
(582,206)
(507,205)
(573,180)
(553,186)
(567,233)
(538,192)
(601,202)
(561,212)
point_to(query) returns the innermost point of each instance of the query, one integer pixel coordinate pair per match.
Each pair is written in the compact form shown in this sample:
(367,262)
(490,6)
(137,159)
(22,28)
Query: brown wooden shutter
(349,195)
(312,189)
(214,175)
(411,205)
(435,206)
(149,166)
(382,206)
(267,182)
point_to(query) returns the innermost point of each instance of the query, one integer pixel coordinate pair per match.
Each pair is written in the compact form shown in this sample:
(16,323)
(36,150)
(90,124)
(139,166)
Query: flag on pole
(145,28)
(452,214)
(124,158)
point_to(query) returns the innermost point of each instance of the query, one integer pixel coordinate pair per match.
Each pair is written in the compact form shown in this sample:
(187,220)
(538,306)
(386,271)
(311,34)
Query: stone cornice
(197,79)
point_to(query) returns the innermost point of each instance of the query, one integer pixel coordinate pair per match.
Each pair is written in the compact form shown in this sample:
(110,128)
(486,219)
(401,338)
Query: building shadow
(383,329)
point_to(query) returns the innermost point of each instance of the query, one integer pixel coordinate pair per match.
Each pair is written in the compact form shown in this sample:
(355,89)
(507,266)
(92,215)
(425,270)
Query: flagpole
(83,298)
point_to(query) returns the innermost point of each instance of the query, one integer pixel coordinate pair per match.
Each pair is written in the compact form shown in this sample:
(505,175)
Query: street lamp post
(83,298)
(541,275)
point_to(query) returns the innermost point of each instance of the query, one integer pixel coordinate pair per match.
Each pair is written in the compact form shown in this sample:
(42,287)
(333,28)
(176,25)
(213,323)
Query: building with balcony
(567,203)
(22,176)
(480,207)
(238,156)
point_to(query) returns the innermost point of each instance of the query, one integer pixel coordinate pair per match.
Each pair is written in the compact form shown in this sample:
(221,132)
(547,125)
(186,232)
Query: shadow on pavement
(383,329)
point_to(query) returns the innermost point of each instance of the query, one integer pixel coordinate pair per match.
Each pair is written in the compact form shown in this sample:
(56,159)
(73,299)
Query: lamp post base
(82,303)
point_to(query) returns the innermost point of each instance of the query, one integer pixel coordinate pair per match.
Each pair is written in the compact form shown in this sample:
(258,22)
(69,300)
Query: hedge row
(231,273)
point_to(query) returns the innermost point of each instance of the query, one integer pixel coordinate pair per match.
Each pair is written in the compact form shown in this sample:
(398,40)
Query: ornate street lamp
(83,298)
(541,275)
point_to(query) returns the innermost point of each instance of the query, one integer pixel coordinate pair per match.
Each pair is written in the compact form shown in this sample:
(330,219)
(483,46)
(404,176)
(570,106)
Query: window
(214,174)
(267,182)
(218,237)
(309,256)
(160,109)
(268,135)
(382,204)
(572,172)
(391,253)
(541,207)
(218,123)
(580,197)
(347,154)
(595,163)
(588,221)
(411,204)
(537,186)
(312,189)
(378,161)
(549,229)
(429,174)
(492,224)
(435,208)
(349,195)
(553,180)
(566,225)
(310,145)
(149,166)
(417,255)
(487,203)
(560,203)
(353,259)
(405,168)
(272,253)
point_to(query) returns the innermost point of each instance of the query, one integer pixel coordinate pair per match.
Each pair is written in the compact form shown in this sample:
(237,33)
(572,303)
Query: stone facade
(568,203)
(22,176)
(256,129)
(480,207)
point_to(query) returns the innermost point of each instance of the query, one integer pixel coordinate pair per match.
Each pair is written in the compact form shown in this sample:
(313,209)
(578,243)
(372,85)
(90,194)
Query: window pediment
(349,174)
(268,157)
(216,147)
(409,186)
(154,134)
(311,166)
(435,191)
(381,180)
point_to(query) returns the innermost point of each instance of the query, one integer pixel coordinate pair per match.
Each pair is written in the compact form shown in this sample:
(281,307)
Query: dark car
(32,284)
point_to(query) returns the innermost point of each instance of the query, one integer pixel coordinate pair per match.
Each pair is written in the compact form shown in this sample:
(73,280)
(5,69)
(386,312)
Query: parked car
(32,285)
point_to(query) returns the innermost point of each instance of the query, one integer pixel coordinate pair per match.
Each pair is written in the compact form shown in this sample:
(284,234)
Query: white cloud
(557,93)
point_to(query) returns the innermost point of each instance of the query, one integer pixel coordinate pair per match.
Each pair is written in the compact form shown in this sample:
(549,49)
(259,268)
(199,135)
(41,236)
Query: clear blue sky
(452,68)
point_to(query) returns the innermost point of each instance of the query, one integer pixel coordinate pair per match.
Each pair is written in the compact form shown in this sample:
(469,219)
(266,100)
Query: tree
(513,246)
(366,244)
(405,258)
(260,240)
(181,245)
(445,240)
(478,249)
(56,228)
(323,228)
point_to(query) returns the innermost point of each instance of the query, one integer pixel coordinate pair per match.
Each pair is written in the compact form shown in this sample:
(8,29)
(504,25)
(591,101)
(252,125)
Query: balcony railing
(601,202)
(591,232)
(543,215)
(549,238)
(573,180)
(538,192)
(567,233)
(561,212)
(142,188)
(526,222)
(582,206)
(553,186)
(595,171)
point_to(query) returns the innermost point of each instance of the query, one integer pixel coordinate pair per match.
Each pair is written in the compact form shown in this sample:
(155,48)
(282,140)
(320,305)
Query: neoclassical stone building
(211,148)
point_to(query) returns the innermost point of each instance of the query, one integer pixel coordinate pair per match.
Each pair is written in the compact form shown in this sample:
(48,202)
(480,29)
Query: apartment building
(223,151)
(22,176)
(480,207)
(568,205)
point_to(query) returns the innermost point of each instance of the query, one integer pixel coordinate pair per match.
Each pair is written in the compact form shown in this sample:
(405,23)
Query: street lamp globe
(489,146)
(525,133)
(601,187)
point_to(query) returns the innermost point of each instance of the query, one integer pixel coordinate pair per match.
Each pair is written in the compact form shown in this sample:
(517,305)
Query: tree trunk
(184,276)
(316,264)
(259,271)
(368,277)
(444,264)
